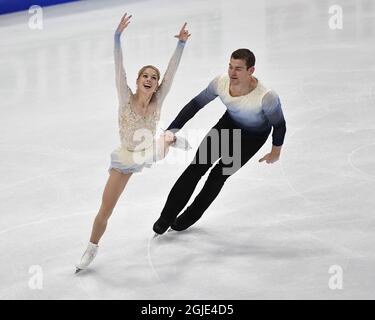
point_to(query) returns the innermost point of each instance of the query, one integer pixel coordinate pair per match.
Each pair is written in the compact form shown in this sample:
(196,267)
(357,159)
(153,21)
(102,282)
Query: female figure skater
(138,116)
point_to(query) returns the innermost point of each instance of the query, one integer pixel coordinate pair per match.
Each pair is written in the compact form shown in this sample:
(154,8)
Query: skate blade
(78,270)
(170,230)
(155,235)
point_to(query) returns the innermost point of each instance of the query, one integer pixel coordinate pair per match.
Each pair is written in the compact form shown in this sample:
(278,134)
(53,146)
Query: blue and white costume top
(256,112)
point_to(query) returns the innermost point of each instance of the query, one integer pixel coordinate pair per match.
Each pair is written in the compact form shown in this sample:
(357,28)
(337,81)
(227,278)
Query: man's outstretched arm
(195,104)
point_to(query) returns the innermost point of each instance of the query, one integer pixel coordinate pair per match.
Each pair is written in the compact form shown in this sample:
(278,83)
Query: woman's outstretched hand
(184,34)
(125,20)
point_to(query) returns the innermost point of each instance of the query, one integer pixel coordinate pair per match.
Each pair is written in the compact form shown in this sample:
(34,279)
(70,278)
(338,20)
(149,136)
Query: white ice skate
(181,143)
(88,257)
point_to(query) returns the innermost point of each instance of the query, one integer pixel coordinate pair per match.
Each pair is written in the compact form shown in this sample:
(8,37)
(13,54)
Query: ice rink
(301,228)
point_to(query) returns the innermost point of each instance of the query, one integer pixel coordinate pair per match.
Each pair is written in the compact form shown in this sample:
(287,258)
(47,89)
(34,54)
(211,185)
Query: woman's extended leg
(112,191)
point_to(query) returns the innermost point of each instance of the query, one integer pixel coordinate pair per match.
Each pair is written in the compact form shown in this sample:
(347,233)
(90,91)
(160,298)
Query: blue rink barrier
(7,6)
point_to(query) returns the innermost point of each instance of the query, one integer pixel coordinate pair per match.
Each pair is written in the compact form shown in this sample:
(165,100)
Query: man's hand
(166,139)
(184,34)
(169,137)
(273,156)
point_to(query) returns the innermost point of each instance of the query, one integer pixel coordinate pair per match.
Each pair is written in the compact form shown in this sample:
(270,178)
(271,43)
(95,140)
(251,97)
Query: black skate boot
(184,221)
(161,225)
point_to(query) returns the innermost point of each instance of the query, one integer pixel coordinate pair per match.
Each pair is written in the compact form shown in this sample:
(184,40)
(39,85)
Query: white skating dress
(138,147)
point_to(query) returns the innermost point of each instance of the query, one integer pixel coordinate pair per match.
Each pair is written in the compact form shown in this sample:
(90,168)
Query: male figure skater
(252,110)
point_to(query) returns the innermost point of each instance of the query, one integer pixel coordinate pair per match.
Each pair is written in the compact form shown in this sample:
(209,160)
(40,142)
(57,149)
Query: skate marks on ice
(151,264)
(360,159)
(160,252)
(212,259)
(41,243)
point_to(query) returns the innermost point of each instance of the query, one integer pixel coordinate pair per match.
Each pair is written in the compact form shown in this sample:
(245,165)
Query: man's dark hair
(244,54)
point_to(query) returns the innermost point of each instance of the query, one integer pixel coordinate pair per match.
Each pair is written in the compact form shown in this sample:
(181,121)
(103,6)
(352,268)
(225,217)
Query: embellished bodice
(137,132)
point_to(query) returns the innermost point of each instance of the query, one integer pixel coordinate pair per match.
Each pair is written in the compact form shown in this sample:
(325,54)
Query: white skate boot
(88,257)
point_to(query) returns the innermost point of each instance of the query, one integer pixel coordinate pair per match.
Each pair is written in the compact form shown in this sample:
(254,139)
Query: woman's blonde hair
(149,66)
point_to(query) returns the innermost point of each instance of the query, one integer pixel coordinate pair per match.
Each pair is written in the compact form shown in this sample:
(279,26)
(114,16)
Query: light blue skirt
(126,161)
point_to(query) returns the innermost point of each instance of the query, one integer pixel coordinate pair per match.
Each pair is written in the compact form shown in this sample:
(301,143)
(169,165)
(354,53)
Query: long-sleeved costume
(255,113)
(137,133)
(247,122)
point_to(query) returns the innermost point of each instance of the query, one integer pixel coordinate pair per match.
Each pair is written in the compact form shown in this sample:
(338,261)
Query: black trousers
(227,146)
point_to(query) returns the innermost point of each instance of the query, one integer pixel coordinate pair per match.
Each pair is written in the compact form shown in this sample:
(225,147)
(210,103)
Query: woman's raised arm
(173,64)
(120,75)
